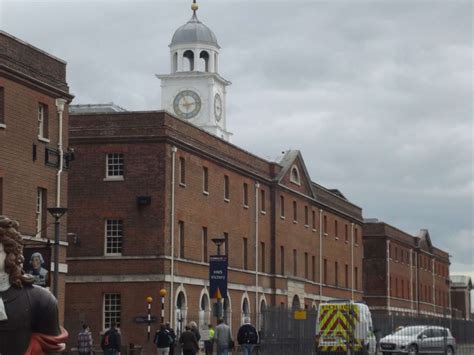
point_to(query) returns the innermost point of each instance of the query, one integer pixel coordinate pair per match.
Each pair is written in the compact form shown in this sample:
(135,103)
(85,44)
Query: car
(419,339)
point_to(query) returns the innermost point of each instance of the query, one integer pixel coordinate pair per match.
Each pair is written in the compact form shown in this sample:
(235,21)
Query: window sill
(337,238)
(263,212)
(282,217)
(182,184)
(356,244)
(206,193)
(226,200)
(306,226)
(245,206)
(115,178)
(3,125)
(325,234)
(42,139)
(314,230)
(346,241)
(295,222)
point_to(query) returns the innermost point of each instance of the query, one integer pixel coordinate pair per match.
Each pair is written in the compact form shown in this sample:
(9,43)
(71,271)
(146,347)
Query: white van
(342,325)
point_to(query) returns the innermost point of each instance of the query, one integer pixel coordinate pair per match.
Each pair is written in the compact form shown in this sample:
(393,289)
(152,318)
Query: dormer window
(295,175)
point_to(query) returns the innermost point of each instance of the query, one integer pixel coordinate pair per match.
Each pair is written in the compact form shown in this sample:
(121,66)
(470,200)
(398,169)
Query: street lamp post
(57,213)
(163,294)
(149,300)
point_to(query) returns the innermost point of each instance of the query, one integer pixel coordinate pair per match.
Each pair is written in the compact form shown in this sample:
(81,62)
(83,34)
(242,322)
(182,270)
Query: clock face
(187,104)
(217,107)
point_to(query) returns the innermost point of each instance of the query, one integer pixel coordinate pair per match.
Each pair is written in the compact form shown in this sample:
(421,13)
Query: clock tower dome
(194,90)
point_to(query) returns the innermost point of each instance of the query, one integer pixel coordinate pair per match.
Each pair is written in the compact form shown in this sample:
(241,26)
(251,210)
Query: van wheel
(449,350)
(412,350)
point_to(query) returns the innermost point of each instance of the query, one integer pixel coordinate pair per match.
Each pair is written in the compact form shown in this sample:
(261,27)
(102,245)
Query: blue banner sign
(218,276)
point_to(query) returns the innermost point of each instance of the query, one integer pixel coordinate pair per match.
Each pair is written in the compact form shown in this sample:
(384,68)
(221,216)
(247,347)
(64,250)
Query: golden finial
(194,6)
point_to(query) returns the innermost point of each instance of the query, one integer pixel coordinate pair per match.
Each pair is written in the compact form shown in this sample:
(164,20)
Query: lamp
(57,213)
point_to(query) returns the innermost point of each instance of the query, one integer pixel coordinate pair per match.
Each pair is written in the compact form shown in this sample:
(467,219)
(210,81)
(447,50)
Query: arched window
(175,62)
(203,61)
(181,308)
(295,304)
(262,313)
(204,311)
(295,175)
(245,309)
(188,65)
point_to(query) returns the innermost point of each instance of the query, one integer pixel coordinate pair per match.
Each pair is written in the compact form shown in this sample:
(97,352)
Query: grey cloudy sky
(377,95)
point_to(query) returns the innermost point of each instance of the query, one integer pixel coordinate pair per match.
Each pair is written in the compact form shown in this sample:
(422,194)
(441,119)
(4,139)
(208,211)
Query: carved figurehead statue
(28,314)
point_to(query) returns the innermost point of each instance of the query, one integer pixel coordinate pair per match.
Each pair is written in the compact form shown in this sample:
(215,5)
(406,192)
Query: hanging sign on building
(38,263)
(218,276)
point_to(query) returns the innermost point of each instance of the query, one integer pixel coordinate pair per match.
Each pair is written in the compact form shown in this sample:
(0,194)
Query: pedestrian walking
(162,341)
(111,341)
(84,341)
(195,330)
(188,341)
(209,342)
(223,338)
(247,337)
(173,337)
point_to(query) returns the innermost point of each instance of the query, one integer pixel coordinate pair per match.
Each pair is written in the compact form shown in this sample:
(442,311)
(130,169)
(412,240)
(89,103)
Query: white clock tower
(194,90)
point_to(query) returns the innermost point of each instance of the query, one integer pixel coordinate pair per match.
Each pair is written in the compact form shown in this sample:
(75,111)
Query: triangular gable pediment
(294,174)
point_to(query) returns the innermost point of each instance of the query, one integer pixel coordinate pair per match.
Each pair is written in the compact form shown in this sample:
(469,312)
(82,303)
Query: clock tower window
(175,62)
(204,61)
(188,64)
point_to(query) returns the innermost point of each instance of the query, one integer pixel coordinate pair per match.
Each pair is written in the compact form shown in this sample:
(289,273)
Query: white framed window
(113,236)
(205,180)
(42,121)
(226,188)
(114,166)
(40,211)
(182,171)
(111,310)
(295,175)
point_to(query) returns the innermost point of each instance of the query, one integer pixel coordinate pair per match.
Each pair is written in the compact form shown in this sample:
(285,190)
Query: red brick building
(146,183)
(461,287)
(404,274)
(33,90)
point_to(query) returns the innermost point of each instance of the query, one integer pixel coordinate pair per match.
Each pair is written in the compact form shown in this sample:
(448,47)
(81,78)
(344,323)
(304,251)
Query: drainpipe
(416,283)
(434,286)
(173,165)
(320,255)
(411,278)
(352,261)
(257,186)
(388,276)
(60,108)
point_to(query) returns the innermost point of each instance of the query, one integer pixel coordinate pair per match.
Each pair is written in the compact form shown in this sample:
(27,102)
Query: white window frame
(40,121)
(114,167)
(39,211)
(112,301)
(114,235)
(295,175)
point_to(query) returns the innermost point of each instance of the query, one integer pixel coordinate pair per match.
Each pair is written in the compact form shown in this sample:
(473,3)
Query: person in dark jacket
(163,341)
(173,337)
(111,341)
(188,342)
(247,337)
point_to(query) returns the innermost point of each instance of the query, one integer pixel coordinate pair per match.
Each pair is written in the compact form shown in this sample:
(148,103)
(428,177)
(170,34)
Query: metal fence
(281,334)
